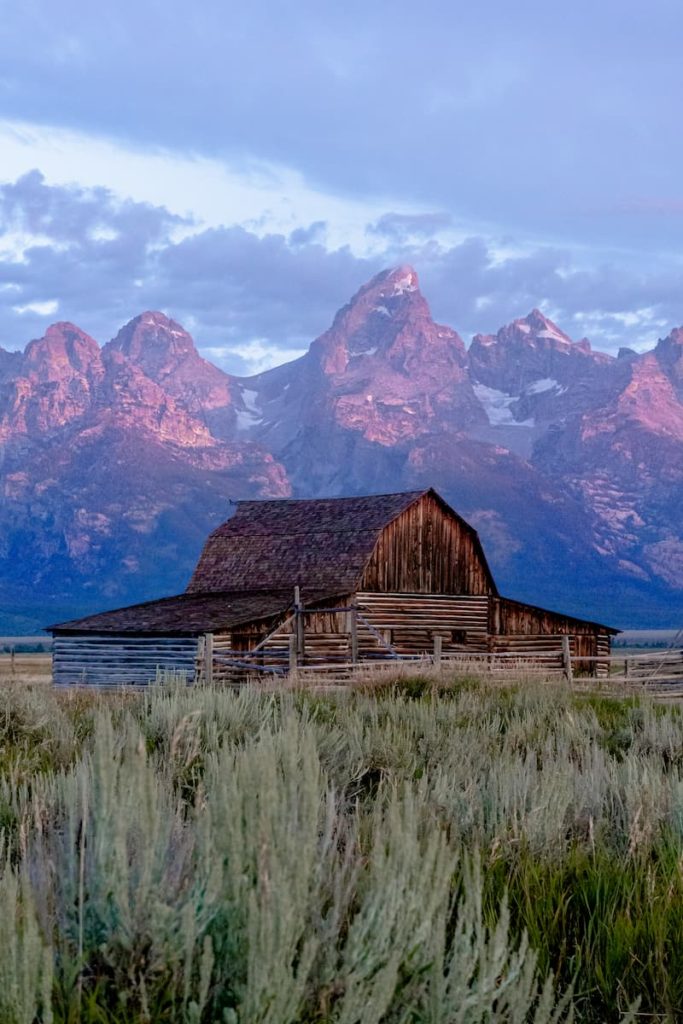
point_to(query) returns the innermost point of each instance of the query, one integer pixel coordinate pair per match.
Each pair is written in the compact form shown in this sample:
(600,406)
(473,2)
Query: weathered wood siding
(524,625)
(426,551)
(409,622)
(514,617)
(111,660)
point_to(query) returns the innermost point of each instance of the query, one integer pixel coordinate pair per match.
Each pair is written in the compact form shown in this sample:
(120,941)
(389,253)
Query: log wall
(111,660)
(409,622)
(426,551)
(514,617)
(525,625)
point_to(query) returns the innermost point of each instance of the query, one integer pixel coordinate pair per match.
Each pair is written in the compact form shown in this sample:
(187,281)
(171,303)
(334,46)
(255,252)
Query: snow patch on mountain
(544,384)
(251,415)
(497,407)
(555,336)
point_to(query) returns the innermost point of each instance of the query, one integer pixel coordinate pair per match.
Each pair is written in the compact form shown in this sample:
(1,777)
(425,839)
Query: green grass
(413,853)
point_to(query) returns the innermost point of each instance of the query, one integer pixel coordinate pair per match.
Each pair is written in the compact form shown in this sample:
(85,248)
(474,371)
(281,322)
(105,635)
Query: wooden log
(353,615)
(567,659)
(208,659)
(438,645)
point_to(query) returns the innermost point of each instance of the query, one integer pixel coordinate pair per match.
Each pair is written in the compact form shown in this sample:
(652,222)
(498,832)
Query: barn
(291,582)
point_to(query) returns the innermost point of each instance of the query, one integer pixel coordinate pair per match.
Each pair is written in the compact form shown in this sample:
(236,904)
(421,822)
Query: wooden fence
(335,658)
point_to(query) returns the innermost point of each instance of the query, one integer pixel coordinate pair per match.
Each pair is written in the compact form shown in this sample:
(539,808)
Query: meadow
(421,851)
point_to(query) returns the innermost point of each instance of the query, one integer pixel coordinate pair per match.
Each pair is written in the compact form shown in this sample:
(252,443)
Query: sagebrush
(418,853)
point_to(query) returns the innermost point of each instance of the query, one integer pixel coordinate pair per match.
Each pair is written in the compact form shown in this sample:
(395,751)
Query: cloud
(254,300)
(252,356)
(47,308)
(548,122)
(402,226)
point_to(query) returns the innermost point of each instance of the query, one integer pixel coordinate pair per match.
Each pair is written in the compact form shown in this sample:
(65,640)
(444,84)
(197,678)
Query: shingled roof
(284,543)
(189,614)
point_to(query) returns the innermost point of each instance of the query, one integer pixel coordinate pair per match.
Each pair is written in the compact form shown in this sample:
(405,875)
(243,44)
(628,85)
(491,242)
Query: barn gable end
(428,549)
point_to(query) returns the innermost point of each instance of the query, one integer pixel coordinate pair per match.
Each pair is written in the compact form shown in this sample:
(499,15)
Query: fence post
(208,659)
(627,668)
(300,626)
(438,645)
(567,659)
(293,660)
(353,629)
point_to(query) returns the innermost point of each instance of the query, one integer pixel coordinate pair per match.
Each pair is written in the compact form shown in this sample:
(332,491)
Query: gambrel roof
(320,542)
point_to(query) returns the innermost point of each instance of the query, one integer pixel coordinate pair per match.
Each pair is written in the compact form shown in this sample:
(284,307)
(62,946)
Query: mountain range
(117,461)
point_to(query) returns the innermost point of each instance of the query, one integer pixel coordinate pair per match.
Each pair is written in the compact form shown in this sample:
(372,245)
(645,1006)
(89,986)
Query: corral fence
(651,670)
(288,652)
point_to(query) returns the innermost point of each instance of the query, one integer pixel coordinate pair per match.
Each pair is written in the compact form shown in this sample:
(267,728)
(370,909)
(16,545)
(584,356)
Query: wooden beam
(438,645)
(353,629)
(300,626)
(567,659)
(208,659)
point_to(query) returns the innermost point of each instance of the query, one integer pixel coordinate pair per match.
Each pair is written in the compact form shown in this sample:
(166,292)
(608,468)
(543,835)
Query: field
(27,668)
(420,852)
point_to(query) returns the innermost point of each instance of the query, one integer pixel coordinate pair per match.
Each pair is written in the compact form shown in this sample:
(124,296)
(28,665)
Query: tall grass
(414,853)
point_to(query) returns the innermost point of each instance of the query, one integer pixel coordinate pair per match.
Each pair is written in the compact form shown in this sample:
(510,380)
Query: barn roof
(189,614)
(289,542)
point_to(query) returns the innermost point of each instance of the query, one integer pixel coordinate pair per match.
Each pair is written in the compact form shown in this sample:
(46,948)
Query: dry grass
(26,668)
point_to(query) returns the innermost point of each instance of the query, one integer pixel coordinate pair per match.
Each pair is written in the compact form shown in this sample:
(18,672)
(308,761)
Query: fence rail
(553,658)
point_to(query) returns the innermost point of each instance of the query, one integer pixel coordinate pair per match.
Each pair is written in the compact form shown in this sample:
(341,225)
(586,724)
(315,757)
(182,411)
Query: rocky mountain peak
(53,383)
(166,353)
(540,326)
(63,352)
(388,320)
(154,342)
(397,280)
(669,353)
(531,349)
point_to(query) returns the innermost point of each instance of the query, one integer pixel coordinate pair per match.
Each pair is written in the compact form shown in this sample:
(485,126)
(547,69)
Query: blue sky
(245,167)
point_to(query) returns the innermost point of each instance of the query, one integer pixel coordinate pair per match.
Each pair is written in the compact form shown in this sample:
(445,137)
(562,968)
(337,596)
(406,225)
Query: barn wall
(425,550)
(409,622)
(522,627)
(515,618)
(118,659)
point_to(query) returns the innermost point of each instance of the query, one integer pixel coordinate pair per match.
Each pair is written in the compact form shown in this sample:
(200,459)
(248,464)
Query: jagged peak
(155,316)
(542,326)
(675,337)
(388,319)
(669,353)
(392,283)
(62,340)
(401,279)
(151,334)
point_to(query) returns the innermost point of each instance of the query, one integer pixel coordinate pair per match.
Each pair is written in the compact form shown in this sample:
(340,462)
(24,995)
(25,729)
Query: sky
(247,167)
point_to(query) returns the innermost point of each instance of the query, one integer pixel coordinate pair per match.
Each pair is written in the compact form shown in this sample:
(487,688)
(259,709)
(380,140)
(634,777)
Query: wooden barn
(293,583)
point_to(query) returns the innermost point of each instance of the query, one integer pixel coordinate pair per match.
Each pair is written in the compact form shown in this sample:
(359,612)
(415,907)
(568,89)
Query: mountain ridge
(116,460)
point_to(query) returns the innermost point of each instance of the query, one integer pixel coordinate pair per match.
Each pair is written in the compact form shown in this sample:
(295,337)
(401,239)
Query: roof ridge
(331,497)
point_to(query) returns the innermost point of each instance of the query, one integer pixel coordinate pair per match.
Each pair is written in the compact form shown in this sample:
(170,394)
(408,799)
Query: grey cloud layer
(559,119)
(105,261)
